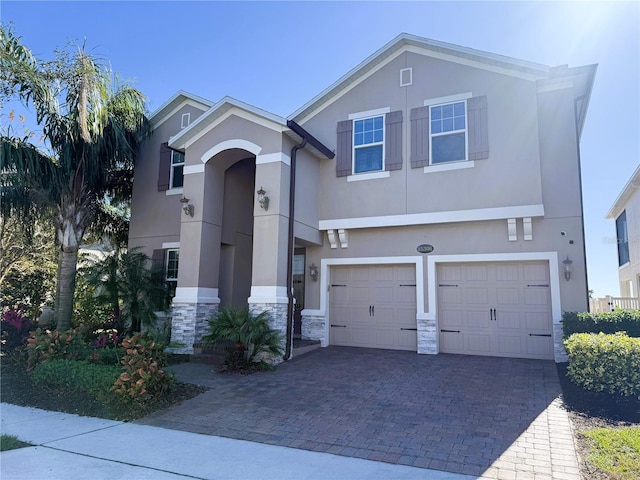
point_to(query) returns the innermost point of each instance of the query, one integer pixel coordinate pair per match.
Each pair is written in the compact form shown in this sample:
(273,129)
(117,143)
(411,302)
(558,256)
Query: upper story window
(172,265)
(448,130)
(177,169)
(623,238)
(368,144)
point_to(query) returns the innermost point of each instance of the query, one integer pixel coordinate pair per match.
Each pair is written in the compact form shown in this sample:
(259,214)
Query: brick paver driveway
(474,415)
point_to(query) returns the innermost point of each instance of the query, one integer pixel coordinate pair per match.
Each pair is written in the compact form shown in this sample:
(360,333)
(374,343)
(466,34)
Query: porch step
(301,347)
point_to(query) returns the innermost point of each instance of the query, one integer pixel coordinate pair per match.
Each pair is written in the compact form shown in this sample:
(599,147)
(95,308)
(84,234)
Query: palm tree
(92,126)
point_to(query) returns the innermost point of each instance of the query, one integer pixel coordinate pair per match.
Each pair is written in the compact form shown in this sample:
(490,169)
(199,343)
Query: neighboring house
(626,212)
(437,205)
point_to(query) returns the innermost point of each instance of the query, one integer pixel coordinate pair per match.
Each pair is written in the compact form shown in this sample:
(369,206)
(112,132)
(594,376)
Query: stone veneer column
(559,353)
(427,336)
(313,327)
(191,311)
(278,311)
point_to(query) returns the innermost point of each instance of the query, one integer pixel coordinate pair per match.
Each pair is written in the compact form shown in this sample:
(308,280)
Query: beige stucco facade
(626,214)
(515,202)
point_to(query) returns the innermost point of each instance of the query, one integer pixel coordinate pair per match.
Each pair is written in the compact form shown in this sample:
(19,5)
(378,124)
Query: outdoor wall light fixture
(313,272)
(567,268)
(186,206)
(263,200)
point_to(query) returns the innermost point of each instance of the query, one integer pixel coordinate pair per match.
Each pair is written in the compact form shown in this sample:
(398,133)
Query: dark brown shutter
(393,141)
(164,169)
(344,149)
(419,137)
(157,259)
(478,130)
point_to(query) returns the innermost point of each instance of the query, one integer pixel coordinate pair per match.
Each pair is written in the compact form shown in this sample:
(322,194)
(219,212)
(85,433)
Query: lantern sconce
(263,200)
(186,206)
(567,268)
(313,272)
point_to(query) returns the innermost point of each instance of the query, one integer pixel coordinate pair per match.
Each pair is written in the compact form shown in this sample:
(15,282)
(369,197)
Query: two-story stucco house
(626,212)
(436,198)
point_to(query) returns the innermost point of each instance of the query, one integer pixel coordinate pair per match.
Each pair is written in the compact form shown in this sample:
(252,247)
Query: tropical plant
(92,125)
(249,334)
(14,329)
(143,381)
(133,291)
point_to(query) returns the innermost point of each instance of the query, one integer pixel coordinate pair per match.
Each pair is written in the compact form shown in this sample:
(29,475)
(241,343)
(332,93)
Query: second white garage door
(373,306)
(495,309)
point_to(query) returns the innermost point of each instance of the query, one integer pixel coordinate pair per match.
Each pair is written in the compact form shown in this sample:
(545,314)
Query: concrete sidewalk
(84,447)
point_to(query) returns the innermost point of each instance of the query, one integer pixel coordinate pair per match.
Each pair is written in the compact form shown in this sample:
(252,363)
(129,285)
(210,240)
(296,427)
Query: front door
(298,290)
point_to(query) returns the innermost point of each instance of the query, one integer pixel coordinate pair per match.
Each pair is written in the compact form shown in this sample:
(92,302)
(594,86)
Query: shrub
(250,337)
(605,363)
(77,376)
(14,329)
(45,345)
(143,381)
(609,322)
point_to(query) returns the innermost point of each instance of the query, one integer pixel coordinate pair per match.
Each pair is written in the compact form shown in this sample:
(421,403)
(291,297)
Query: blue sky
(278,55)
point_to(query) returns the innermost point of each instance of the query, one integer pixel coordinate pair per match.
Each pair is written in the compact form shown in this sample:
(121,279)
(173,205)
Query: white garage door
(374,307)
(495,309)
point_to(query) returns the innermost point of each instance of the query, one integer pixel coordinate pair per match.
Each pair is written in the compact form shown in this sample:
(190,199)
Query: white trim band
(455,216)
(273,158)
(166,245)
(196,295)
(268,294)
(191,169)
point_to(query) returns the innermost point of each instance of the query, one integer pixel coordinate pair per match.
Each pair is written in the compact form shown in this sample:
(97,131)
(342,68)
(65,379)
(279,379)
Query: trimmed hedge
(78,376)
(610,322)
(605,363)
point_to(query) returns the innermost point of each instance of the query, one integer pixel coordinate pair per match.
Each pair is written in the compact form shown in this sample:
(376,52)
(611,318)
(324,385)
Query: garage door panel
(450,295)
(507,272)
(477,318)
(452,342)
(478,344)
(476,273)
(376,311)
(510,345)
(506,320)
(507,296)
(504,309)
(533,272)
(540,347)
(536,296)
(451,318)
(476,296)
(537,322)
(382,294)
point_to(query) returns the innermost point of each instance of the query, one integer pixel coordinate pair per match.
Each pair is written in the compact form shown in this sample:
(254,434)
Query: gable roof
(206,122)
(632,187)
(179,99)
(406,42)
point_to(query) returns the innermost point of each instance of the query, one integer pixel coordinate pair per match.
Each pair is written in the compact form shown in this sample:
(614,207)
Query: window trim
(625,243)
(452,132)
(186,116)
(166,265)
(365,115)
(172,166)
(439,101)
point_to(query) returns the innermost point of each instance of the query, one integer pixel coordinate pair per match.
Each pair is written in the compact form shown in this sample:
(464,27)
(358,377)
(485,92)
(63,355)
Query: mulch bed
(589,410)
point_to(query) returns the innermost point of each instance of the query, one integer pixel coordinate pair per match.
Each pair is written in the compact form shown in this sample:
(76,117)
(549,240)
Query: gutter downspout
(290,248)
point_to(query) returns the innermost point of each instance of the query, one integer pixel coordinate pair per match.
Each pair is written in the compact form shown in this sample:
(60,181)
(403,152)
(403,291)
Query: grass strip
(616,451)
(11,442)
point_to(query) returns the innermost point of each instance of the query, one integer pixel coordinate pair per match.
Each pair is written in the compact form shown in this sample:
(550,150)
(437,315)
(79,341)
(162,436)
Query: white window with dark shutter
(449,133)
(369,144)
(177,169)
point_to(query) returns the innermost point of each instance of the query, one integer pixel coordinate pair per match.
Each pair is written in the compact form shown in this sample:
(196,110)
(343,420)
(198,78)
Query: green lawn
(616,451)
(9,442)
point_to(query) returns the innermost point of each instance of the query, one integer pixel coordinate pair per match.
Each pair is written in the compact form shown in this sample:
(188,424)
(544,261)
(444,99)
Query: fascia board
(204,123)
(632,186)
(176,100)
(405,42)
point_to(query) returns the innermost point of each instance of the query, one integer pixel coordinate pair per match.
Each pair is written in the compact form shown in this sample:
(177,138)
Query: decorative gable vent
(406,77)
